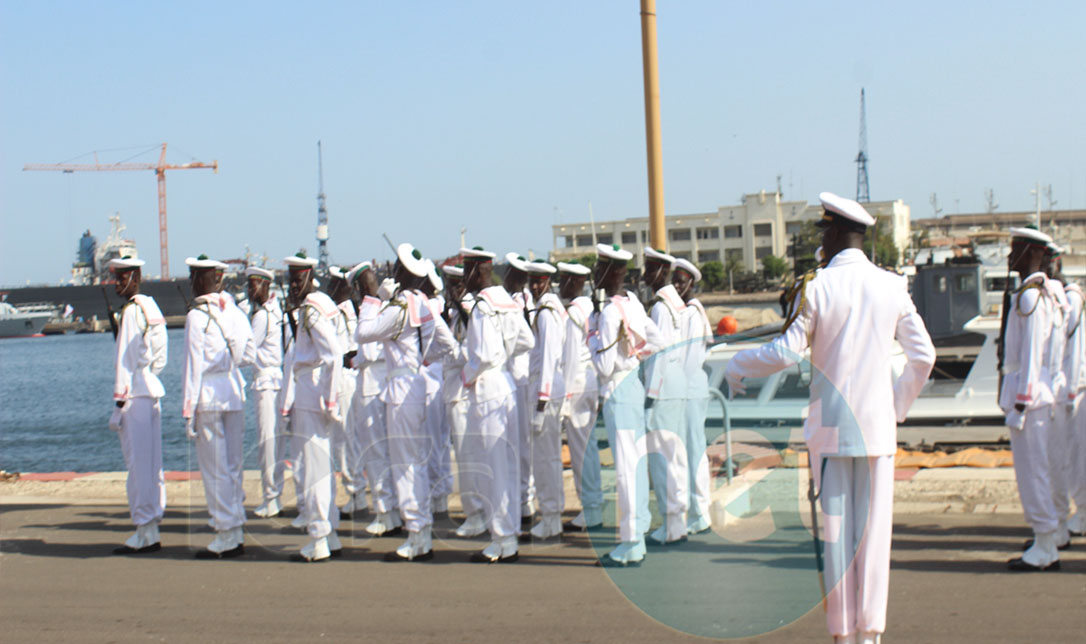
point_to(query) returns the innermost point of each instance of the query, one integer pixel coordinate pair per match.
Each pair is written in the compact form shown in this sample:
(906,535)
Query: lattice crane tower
(322,215)
(863,193)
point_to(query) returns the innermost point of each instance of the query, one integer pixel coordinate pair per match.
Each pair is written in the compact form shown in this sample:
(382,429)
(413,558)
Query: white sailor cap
(204,262)
(1054,249)
(613,252)
(411,259)
(453,271)
(658,255)
(573,269)
(517,261)
(118,264)
(1031,235)
(540,268)
(254,271)
(435,279)
(689,267)
(338,272)
(477,254)
(300,261)
(843,209)
(357,269)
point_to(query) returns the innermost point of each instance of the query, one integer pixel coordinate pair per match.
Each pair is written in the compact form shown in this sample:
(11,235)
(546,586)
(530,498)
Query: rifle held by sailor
(109,312)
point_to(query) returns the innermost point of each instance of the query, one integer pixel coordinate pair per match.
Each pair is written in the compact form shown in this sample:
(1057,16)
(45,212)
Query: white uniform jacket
(213,349)
(346,323)
(664,376)
(497,333)
(849,317)
(1074,361)
(1027,355)
(697,335)
(452,389)
(622,325)
(318,356)
(432,366)
(519,363)
(266,322)
(545,359)
(577,368)
(141,350)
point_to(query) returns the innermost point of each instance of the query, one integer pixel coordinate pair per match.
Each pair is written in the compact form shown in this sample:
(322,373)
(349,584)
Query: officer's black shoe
(1017,565)
(128,550)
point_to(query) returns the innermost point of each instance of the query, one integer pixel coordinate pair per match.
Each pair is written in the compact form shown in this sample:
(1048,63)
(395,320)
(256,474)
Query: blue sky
(505,117)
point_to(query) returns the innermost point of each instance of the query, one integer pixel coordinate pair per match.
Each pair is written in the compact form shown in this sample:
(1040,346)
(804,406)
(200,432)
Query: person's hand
(735,384)
(332,414)
(387,288)
(190,427)
(537,423)
(115,419)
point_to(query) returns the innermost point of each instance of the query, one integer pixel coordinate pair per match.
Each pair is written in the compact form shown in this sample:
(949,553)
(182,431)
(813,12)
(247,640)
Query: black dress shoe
(607,562)
(128,550)
(1029,544)
(479,557)
(336,553)
(707,529)
(395,532)
(226,554)
(1017,565)
(526,522)
(656,543)
(299,558)
(395,556)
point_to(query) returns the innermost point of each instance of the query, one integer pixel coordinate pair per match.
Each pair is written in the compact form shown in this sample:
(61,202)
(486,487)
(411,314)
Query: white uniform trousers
(314,430)
(408,449)
(371,435)
(297,445)
(219,440)
(1060,460)
(344,445)
(272,448)
(439,464)
(1029,446)
(697,460)
(141,444)
(584,453)
(668,470)
(522,415)
(1077,423)
(499,473)
(546,450)
(469,456)
(857,521)
(624,417)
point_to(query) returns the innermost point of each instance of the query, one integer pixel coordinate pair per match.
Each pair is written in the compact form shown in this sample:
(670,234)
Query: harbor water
(56,396)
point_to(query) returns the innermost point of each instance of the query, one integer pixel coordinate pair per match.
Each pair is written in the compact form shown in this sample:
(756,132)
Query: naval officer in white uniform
(849,316)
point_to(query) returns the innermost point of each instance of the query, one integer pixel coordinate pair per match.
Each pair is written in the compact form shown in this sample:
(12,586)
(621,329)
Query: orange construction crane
(160,169)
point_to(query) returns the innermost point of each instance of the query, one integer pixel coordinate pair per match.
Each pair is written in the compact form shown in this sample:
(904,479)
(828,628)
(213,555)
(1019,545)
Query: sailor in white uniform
(1060,432)
(497,332)
(697,335)
(404,323)
(213,394)
(137,414)
(1074,403)
(618,341)
(367,420)
(548,320)
(849,316)
(266,319)
(665,400)
(582,398)
(515,284)
(316,369)
(345,448)
(437,426)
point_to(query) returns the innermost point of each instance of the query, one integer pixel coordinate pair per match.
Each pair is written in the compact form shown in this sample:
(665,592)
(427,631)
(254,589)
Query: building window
(763,252)
(709,233)
(679,234)
(584,240)
(605,238)
(708,256)
(629,237)
(644,236)
(565,241)
(763,230)
(793,228)
(733,254)
(733,232)
(681,255)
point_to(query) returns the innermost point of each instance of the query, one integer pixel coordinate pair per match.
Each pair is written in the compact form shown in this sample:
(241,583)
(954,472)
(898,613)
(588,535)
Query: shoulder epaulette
(796,298)
(1023,289)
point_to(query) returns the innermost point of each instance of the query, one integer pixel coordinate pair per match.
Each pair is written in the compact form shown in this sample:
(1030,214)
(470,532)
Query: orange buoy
(727,325)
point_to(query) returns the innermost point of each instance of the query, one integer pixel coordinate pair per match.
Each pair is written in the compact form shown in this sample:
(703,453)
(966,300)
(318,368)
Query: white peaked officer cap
(477,254)
(573,269)
(689,267)
(658,255)
(254,271)
(118,264)
(435,279)
(411,259)
(204,262)
(517,261)
(453,271)
(613,252)
(1031,235)
(356,270)
(843,208)
(300,261)
(540,267)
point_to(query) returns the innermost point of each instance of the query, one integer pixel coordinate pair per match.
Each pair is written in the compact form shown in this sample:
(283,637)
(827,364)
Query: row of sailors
(496,371)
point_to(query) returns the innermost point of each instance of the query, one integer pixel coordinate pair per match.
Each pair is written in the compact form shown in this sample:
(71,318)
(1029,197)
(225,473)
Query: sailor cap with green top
(1031,235)
(299,261)
(435,279)
(540,268)
(357,270)
(659,255)
(573,269)
(126,263)
(688,266)
(843,211)
(453,271)
(411,259)
(477,254)
(203,261)
(517,261)
(339,272)
(613,253)
(255,271)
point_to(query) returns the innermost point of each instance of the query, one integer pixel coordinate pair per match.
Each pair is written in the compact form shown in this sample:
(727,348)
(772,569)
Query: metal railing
(727,423)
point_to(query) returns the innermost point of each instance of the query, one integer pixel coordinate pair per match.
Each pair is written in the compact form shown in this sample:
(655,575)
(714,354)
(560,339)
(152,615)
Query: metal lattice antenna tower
(322,215)
(863,193)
